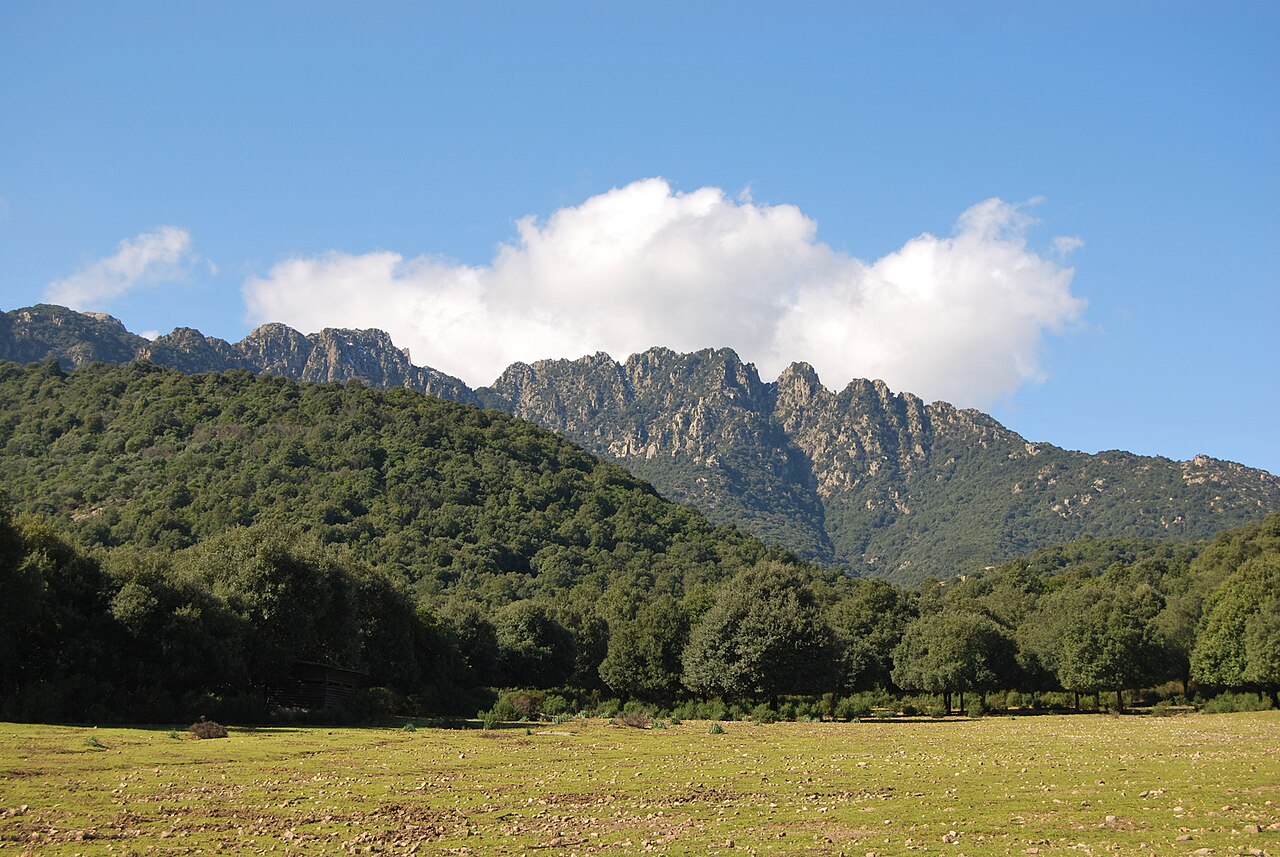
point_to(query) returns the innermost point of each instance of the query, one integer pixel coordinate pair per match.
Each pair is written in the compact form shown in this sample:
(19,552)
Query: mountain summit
(876,481)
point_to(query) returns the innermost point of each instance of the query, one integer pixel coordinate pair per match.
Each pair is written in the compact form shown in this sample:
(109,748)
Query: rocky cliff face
(879,482)
(42,332)
(698,426)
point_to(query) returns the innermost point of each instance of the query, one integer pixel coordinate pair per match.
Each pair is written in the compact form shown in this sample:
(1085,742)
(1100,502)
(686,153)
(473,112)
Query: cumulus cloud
(960,317)
(145,259)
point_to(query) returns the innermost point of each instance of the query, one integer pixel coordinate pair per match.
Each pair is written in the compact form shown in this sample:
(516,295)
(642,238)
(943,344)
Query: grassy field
(1196,784)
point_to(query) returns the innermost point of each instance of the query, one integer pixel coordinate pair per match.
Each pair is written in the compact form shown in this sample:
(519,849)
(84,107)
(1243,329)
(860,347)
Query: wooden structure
(314,686)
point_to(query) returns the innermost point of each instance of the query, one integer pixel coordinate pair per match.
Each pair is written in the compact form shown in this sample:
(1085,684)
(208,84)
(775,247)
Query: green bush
(554,705)
(853,707)
(519,704)
(715,729)
(701,710)
(762,713)
(1226,703)
(976,709)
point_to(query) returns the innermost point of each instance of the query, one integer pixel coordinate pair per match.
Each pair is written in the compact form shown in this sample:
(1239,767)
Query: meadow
(1070,784)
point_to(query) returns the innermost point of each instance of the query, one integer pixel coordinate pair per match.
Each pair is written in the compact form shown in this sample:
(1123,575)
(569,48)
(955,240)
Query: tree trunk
(962,702)
(1119,700)
(1077,693)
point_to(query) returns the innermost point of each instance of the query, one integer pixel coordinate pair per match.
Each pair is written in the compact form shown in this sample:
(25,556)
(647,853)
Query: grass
(1043,785)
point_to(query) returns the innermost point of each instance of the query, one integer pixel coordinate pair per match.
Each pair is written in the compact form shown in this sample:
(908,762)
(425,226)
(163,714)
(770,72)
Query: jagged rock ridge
(878,482)
(43,331)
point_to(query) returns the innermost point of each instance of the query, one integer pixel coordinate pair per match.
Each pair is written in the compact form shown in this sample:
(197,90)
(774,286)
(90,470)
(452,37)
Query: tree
(644,653)
(954,652)
(1113,643)
(476,641)
(1239,645)
(534,650)
(869,624)
(764,636)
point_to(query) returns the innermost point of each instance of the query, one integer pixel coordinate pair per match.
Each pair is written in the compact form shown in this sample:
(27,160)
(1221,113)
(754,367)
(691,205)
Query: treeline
(149,634)
(175,544)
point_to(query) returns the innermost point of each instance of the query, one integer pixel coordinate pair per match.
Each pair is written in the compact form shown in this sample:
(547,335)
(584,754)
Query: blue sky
(804,183)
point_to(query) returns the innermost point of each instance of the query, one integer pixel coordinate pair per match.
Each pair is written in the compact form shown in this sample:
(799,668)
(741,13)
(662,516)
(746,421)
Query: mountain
(864,478)
(879,482)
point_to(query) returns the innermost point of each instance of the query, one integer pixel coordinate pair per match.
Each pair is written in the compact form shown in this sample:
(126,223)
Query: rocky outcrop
(44,331)
(876,481)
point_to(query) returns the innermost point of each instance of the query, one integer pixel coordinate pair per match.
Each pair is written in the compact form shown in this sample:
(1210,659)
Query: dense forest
(173,545)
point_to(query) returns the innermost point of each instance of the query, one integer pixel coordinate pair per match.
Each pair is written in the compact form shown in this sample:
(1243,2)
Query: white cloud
(145,259)
(960,317)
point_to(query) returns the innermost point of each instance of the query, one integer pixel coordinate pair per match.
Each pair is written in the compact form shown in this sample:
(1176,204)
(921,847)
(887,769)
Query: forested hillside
(445,495)
(874,481)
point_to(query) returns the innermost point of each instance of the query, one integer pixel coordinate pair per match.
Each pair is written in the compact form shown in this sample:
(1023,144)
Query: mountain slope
(878,482)
(453,497)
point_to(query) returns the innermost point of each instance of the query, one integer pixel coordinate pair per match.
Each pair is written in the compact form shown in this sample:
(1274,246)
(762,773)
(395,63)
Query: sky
(1067,215)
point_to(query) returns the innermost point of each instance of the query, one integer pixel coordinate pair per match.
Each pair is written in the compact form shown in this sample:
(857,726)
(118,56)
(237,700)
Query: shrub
(490,719)
(853,707)
(409,727)
(519,704)
(1225,703)
(208,729)
(975,708)
(715,729)
(634,719)
(676,721)
(554,705)
(696,710)
(762,713)
(937,710)
(811,709)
